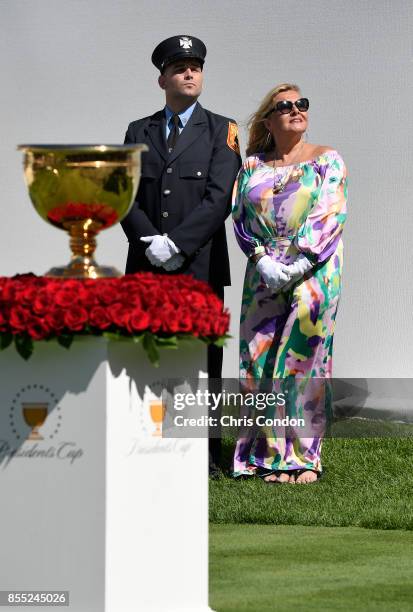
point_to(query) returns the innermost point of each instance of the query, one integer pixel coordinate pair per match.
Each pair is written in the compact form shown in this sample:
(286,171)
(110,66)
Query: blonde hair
(259,138)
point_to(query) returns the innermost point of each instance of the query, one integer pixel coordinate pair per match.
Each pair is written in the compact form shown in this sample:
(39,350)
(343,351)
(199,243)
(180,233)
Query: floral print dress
(288,335)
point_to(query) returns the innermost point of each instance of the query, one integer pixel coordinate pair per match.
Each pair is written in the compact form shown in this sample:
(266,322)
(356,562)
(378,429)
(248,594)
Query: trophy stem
(83,238)
(83,244)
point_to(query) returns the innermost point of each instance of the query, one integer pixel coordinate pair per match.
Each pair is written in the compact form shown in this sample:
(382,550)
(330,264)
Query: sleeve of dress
(319,234)
(243,212)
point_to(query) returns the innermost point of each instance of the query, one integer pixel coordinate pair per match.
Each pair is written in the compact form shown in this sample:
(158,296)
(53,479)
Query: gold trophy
(35,413)
(82,189)
(157,410)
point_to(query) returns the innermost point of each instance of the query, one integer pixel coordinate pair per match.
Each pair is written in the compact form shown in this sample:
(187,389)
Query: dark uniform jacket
(185,194)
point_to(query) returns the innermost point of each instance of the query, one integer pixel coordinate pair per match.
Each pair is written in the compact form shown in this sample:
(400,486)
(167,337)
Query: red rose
(99,317)
(215,303)
(134,299)
(185,321)
(107,294)
(41,303)
(55,320)
(65,298)
(219,326)
(177,299)
(28,295)
(75,318)
(139,320)
(87,298)
(52,286)
(202,327)
(208,320)
(71,284)
(172,321)
(155,320)
(8,291)
(18,318)
(153,295)
(196,299)
(119,314)
(169,318)
(38,329)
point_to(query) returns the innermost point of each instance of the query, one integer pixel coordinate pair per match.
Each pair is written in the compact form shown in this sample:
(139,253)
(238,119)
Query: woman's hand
(297,270)
(274,274)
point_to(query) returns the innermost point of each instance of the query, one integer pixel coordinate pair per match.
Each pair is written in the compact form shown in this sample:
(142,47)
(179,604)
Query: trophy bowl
(35,413)
(82,189)
(157,410)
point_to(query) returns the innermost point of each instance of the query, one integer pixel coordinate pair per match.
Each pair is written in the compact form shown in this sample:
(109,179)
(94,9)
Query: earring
(268,139)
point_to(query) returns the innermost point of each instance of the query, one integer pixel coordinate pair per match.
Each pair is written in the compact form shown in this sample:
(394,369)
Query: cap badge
(185,42)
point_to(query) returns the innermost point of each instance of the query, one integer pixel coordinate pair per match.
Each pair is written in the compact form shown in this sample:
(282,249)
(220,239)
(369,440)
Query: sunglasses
(286,106)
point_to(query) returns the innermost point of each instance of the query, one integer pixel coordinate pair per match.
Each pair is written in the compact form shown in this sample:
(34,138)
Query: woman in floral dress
(289,208)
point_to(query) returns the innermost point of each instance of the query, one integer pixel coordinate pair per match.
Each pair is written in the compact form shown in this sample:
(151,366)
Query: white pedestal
(100,506)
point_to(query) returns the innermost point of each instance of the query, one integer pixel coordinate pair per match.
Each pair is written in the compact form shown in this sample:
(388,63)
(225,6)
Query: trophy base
(83,269)
(34,435)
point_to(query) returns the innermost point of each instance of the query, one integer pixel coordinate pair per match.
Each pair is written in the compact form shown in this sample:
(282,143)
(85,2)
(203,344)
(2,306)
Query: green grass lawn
(343,543)
(269,568)
(368,482)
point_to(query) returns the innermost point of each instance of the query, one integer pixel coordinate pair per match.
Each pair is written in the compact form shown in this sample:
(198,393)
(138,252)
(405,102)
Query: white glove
(160,249)
(297,270)
(174,263)
(273,273)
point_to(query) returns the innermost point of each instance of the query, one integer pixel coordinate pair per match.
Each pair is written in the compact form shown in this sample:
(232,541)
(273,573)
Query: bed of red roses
(157,310)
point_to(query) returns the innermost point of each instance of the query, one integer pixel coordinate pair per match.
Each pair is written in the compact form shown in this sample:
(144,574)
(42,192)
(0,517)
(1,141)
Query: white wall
(79,71)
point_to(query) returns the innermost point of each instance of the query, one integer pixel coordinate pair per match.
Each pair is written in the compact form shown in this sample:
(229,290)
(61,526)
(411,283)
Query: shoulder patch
(232,138)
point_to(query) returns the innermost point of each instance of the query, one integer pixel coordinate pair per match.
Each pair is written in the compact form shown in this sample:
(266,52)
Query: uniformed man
(176,224)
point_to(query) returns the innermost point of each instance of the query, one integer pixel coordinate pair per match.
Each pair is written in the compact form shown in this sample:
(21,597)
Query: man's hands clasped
(163,252)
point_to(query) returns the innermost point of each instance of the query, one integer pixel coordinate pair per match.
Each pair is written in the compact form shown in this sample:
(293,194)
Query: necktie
(173,132)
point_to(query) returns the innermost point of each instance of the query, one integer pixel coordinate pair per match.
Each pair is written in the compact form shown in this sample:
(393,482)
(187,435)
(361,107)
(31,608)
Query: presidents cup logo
(35,414)
(152,409)
(35,421)
(151,413)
